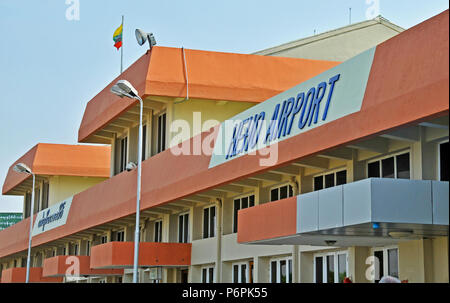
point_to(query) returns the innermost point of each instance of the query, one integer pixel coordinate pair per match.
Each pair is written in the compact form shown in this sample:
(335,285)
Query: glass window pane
(318,183)
(251,202)
(291,192)
(243,273)
(393,262)
(342,266)
(403,166)
(373,170)
(274,194)
(212,221)
(205,222)
(250,272)
(204,272)
(330,269)
(186,228)
(235,273)
(387,167)
(341,177)
(236,208)
(211,275)
(180,229)
(329,180)
(144,139)
(319,269)
(273,267)
(290,270)
(244,202)
(283,192)
(379,270)
(283,272)
(443,161)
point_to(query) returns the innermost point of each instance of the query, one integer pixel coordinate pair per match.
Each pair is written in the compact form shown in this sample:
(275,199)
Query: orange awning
(212,75)
(61,160)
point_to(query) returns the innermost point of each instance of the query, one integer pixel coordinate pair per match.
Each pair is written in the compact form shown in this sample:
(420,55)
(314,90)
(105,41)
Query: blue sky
(50,67)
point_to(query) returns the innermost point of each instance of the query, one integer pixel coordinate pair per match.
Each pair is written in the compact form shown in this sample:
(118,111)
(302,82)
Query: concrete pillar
(261,266)
(306,267)
(218,271)
(357,267)
(295,264)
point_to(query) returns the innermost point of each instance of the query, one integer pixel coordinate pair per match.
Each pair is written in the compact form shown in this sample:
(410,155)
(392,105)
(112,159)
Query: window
(281,271)
(54,253)
(45,194)
(104,239)
(123,154)
(120,236)
(241,203)
(243,272)
(158,231)
(161,133)
(88,248)
(387,262)
(183,228)
(64,251)
(144,141)
(330,267)
(27,204)
(443,162)
(330,179)
(37,196)
(281,192)
(75,250)
(209,221)
(396,166)
(207,274)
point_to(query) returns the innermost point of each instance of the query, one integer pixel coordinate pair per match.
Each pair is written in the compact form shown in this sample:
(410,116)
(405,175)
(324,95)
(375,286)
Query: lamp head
(130,166)
(22,168)
(143,37)
(123,88)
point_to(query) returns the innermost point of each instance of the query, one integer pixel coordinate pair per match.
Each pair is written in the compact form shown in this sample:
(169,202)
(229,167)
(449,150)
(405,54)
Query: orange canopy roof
(61,160)
(211,75)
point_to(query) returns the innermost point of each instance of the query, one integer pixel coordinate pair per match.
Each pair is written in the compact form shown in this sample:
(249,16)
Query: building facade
(350,170)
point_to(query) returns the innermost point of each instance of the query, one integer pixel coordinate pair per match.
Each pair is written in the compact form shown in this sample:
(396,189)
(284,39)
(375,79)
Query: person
(389,279)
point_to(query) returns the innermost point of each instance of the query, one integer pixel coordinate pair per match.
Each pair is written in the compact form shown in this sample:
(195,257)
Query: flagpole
(121,51)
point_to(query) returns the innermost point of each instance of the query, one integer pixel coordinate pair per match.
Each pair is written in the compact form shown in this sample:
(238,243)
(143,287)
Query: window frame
(439,143)
(324,256)
(247,271)
(208,277)
(123,162)
(120,235)
(240,197)
(279,186)
(385,250)
(333,171)
(160,225)
(209,207)
(188,229)
(103,237)
(391,155)
(159,147)
(278,264)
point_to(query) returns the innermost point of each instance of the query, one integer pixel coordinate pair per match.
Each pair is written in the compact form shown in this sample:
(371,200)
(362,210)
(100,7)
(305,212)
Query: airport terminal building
(314,161)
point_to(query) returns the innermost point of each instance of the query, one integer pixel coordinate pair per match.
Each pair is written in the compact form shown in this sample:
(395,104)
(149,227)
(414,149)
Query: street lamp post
(122,89)
(22,168)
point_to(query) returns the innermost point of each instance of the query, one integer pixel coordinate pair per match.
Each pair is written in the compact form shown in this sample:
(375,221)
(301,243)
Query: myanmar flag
(117,37)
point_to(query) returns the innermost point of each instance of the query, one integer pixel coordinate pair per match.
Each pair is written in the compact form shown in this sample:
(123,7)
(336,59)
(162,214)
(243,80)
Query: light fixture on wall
(330,242)
(400,234)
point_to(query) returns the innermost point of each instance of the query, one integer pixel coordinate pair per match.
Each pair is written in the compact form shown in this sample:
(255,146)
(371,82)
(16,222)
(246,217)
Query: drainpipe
(218,274)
